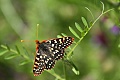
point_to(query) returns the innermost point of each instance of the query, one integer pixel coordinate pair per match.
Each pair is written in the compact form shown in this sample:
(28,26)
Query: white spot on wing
(40,56)
(37,58)
(55,41)
(60,40)
(52,45)
(49,41)
(38,53)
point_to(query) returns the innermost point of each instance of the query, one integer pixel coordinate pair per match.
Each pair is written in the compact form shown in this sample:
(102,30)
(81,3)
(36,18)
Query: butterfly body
(48,51)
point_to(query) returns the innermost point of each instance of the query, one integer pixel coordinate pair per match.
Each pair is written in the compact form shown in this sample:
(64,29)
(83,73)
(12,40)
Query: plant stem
(68,55)
(14,51)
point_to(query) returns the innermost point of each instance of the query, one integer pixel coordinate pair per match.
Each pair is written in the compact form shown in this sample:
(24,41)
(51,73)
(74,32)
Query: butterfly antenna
(36,34)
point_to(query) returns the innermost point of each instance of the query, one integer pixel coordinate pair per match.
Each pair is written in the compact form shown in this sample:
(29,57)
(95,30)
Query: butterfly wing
(39,65)
(48,51)
(57,46)
(60,43)
(43,59)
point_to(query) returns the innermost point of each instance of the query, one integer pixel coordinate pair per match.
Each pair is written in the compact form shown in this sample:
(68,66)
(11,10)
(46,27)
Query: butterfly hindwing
(39,65)
(57,53)
(49,62)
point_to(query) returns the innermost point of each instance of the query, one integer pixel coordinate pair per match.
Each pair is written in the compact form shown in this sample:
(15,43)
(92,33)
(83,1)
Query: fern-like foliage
(83,33)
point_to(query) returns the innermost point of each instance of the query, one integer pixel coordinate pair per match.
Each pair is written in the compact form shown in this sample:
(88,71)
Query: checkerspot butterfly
(48,52)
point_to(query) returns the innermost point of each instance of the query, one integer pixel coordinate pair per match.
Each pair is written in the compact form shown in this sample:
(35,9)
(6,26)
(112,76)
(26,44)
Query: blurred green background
(97,56)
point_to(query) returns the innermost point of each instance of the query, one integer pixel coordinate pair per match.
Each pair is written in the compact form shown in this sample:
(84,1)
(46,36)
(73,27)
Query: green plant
(87,27)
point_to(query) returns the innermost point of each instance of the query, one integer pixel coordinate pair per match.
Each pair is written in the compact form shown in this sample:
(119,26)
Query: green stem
(68,55)
(14,51)
(54,74)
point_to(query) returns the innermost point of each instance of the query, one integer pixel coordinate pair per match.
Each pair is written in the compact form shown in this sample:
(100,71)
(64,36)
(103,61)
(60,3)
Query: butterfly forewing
(48,51)
(61,43)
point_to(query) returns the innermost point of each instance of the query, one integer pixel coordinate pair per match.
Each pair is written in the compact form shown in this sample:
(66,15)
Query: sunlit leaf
(64,34)
(119,45)
(11,56)
(24,62)
(8,47)
(73,32)
(78,27)
(59,36)
(84,22)
(75,71)
(90,12)
(3,52)
(5,47)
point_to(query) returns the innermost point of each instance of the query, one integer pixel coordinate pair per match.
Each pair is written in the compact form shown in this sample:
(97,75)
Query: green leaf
(78,27)
(73,32)
(52,72)
(64,34)
(75,71)
(74,68)
(5,47)
(84,22)
(24,62)
(90,12)
(59,36)
(119,45)
(2,53)
(8,47)
(11,56)
(17,49)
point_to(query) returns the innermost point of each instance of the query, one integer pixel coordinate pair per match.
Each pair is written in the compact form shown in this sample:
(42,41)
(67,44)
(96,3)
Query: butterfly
(48,52)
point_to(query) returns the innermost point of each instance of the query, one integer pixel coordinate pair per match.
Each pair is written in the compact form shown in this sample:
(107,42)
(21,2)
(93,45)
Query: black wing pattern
(47,52)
